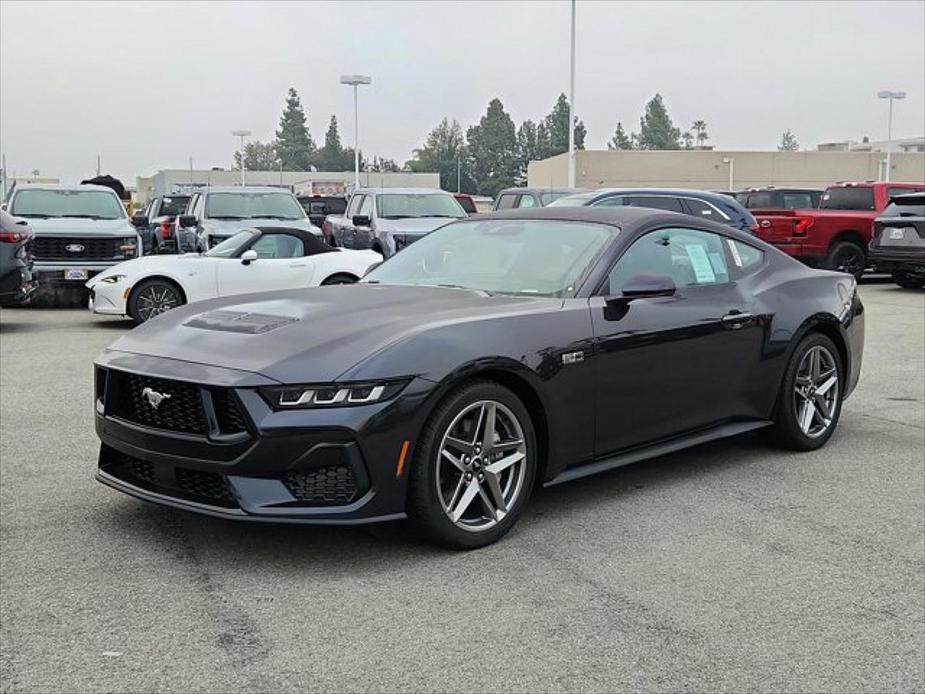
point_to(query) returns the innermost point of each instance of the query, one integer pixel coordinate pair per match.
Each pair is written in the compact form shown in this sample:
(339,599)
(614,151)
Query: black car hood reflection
(318,334)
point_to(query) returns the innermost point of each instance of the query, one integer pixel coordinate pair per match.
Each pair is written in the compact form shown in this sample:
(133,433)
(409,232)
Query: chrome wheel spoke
(459,444)
(469,493)
(490,413)
(807,415)
(826,385)
(491,511)
(457,463)
(499,466)
(497,495)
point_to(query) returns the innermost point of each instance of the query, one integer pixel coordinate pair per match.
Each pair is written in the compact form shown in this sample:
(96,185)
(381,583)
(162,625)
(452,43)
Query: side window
(355,203)
(506,202)
(744,257)
(612,201)
(366,207)
(760,200)
(890,192)
(701,209)
(690,257)
(526,200)
(797,201)
(657,202)
(273,246)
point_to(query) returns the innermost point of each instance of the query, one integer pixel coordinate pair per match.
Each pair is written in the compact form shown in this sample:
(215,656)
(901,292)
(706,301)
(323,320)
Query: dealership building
(722,170)
(300,182)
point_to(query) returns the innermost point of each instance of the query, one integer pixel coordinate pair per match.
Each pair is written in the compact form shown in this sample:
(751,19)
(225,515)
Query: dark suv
(898,242)
(697,203)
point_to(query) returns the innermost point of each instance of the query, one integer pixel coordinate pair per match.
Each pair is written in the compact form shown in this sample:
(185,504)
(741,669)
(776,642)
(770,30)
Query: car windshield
(253,206)
(550,197)
(230,246)
(848,198)
(89,204)
(578,200)
(404,205)
(508,256)
(173,206)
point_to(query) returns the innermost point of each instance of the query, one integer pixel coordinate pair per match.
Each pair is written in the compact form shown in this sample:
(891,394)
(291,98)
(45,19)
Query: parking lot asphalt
(732,566)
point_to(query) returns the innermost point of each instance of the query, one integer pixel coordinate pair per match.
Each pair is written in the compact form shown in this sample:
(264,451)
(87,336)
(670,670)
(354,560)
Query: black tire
(426,510)
(339,278)
(787,431)
(907,281)
(166,295)
(847,256)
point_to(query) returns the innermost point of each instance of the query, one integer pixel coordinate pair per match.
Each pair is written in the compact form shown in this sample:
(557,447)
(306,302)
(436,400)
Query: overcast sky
(147,85)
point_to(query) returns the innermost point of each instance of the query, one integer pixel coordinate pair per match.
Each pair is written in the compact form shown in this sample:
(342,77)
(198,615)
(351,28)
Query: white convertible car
(253,260)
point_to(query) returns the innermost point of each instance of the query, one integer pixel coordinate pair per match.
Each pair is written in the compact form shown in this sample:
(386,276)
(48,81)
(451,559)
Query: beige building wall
(708,171)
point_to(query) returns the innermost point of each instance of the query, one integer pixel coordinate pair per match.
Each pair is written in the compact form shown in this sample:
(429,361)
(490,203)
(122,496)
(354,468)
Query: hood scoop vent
(239,322)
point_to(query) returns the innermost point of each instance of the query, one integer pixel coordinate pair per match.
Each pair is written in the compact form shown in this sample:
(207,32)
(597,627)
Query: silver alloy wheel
(155,300)
(816,391)
(481,465)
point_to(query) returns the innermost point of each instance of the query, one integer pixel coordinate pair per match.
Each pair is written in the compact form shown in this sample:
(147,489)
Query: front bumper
(337,465)
(108,299)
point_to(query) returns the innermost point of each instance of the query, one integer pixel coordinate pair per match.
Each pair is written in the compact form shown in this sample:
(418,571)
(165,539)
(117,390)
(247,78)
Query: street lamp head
(891,95)
(355,80)
(241,133)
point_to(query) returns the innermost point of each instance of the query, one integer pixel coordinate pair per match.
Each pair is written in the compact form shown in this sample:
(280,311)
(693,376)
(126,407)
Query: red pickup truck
(834,236)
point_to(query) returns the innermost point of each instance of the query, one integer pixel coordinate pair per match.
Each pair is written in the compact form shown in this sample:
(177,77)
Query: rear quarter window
(848,198)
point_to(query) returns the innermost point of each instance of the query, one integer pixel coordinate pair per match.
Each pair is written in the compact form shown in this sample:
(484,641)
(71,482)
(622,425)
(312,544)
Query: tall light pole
(355,81)
(242,134)
(571,108)
(889,128)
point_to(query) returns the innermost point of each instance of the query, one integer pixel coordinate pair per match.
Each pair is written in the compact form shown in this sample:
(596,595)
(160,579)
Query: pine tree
(331,156)
(788,142)
(294,144)
(493,157)
(557,129)
(527,148)
(620,139)
(656,131)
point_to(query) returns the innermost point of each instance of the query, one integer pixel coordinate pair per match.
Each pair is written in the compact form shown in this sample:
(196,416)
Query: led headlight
(112,279)
(331,394)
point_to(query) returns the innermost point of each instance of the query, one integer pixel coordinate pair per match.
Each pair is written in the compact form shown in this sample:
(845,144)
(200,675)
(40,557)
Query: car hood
(416,225)
(312,335)
(230,227)
(70,226)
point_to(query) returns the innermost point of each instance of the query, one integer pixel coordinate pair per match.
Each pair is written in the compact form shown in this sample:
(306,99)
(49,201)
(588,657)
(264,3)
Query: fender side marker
(401,458)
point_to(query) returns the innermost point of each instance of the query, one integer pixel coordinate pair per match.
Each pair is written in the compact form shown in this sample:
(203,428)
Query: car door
(345,233)
(363,236)
(281,264)
(672,364)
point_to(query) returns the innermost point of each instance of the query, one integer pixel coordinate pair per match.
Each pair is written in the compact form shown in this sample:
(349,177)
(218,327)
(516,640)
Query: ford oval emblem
(74,248)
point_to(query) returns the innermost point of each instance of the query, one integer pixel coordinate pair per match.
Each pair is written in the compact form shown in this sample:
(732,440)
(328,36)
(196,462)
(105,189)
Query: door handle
(736,319)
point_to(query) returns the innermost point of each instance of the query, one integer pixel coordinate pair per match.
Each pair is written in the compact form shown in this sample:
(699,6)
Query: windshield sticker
(703,270)
(736,258)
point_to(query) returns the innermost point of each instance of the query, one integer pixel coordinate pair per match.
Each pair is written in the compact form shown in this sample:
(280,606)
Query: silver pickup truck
(388,219)
(79,231)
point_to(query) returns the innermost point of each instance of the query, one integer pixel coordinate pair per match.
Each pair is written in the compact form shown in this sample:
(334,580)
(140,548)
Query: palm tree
(700,129)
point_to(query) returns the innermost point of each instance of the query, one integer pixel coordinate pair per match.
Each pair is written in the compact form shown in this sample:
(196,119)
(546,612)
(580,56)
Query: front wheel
(474,467)
(152,298)
(810,399)
(907,281)
(849,257)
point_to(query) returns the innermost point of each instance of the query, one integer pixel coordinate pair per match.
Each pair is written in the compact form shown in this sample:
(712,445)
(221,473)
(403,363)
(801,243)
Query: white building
(333,182)
(907,144)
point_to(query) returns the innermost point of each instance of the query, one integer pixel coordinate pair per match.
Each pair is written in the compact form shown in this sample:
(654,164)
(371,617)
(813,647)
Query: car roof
(677,192)
(402,191)
(530,189)
(62,186)
(246,189)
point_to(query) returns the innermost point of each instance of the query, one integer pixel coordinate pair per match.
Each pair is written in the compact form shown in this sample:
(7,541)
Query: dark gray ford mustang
(500,352)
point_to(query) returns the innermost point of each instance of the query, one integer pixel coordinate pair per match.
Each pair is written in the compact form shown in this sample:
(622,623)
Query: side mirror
(248,256)
(139,220)
(186,220)
(645,285)
(361,220)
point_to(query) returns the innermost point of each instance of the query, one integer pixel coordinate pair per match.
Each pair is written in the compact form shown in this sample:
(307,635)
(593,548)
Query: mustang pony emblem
(154,398)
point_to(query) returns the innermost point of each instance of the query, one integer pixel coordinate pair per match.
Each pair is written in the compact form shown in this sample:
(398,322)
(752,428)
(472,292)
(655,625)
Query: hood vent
(239,322)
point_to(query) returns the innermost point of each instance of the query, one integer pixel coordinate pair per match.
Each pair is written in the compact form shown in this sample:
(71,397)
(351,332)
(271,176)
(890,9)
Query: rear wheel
(907,281)
(340,278)
(846,256)
(152,298)
(474,467)
(809,403)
